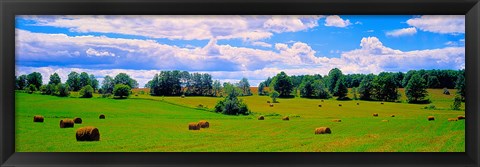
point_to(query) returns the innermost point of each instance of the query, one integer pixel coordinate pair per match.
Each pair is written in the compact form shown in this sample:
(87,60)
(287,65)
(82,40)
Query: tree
(51,89)
(306,87)
(385,87)
(407,77)
(166,83)
(333,76)
(217,88)
(73,81)
(245,87)
(43,89)
(319,90)
(231,105)
(22,82)
(31,88)
(86,92)
(274,95)
(366,87)
(84,80)
(457,103)
(35,78)
(416,89)
(341,89)
(282,84)
(107,85)
(261,88)
(433,82)
(121,90)
(123,78)
(460,84)
(354,92)
(93,82)
(63,90)
(54,79)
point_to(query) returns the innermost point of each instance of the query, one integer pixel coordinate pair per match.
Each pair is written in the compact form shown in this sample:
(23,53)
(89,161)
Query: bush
(430,107)
(51,89)
(86,92)
(231,105)
(274,95)
(43,89)
(106,95)
(63,90)
(31,88)
(121,90)
(457,102)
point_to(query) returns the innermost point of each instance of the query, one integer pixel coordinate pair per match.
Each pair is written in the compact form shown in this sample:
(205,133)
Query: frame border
(10,8)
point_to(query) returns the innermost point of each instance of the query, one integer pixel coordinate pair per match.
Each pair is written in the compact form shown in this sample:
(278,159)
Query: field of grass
(144,123)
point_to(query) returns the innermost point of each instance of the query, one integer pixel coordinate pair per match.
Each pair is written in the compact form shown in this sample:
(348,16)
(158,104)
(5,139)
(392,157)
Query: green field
(160,124)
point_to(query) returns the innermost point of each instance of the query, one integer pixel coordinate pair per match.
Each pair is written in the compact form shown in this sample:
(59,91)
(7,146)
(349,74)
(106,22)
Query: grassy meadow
(144,123)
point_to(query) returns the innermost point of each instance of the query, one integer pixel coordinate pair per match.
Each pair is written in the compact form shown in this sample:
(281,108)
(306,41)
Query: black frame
(10,8)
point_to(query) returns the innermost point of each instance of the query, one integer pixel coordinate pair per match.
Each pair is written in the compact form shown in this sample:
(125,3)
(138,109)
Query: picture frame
(10,8)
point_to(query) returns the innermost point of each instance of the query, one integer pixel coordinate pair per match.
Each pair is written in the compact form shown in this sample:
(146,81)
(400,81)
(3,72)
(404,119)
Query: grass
(160,124)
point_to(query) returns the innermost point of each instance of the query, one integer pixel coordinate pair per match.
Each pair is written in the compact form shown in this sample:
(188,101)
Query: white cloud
(443,24)
(93,52)
(262,44)
(182,27)
(336,21)
(402,32)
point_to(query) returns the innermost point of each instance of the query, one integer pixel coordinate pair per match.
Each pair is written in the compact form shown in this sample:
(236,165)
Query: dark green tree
(416,89)
(35,78)
(341,89)
(121,90)
(333,76)
(86,92)
(282,84)
(385,87)
(107,85)
(73,81)
(366,87)
(22,82)
(54,79)
(93,82)
(460,84)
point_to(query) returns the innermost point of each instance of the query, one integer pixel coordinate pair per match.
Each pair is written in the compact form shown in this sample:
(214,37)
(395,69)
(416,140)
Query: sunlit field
(144,123)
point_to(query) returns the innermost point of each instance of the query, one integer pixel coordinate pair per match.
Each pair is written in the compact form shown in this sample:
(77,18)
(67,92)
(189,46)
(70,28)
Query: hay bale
(183,96)
(77,120)
(393,115)
(385,120)
(381,103)
(460,117)
(358,104)
(319,105)
(88,133)
(452,119)
(204,124)
(285,118)
(38,118)
(431,118)
(261,117)
(337,120)
(101,116)
(375,114)
(268,101)
(136,94)
(340,105)
(66,123)
(271,105)
(322,100)
(193,126)
(323,130)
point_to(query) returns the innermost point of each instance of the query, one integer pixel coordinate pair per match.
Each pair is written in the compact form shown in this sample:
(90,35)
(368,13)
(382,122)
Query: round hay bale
(340,105)
(323,130)
(66,123)
(101,116)
(375,114)
(319,105)
(77,120)
(285,118)
(381,103)
(204,124)
(322,100)
(431,118)
(393,115)
(358,104)
(271,105)
(452,119)
(88,133)
(337,120)
(183,96)
(385,120)
(460,117)
(193,126)
(38,118)
(261,117)
(268,101)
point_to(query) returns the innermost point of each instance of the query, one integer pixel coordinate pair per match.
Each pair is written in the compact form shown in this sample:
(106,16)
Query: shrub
(63,90)
(430,107)
(457,102)
(121,90)
(231,105)
(31,88)
(43,89)
(86,92)
(106,95)
(274,95)
(51,89)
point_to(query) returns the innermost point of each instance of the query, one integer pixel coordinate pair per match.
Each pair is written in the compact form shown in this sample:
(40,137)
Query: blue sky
(232,47)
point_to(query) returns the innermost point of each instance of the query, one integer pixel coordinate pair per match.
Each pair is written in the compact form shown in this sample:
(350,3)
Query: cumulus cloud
(182,27)
(262,44)
(336,21)
(402,32)
(443,24)
(93,52)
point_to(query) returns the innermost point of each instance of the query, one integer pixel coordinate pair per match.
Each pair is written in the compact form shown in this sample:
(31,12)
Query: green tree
(460,84)
(457,103)
(366,87)
(107,85)
(385,87)
(22,82)
(433,82)
(73,81)
(416,89)
(306,87)
(217,88)
(121,90)
(84,80)
(282,84)
(333,76)
(31,88)
(319,90)
(261,88)
(231,105)
(52,89)
(245,87)
(274,95)
(63,90)
(123,78)
(86,92)
(54,79)
(43,89)
(35,78)
(93,82)
(341,89)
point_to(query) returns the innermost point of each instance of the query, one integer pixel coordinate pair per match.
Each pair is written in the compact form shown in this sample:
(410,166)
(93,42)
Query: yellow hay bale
(431,118)
(193,126)
(337,120)
(323,130)
(319,105)
(268,101)
(77,120)
(271,105)
(460,117)
(322,100)
(452,119)
(204,124)
(101,116)
(385,120)
(285,118)
(66,123)
(393,115)
(375,114)
(381,103)
(358,104)
(340,105)
(88,133)
(38,118)
(261,117)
